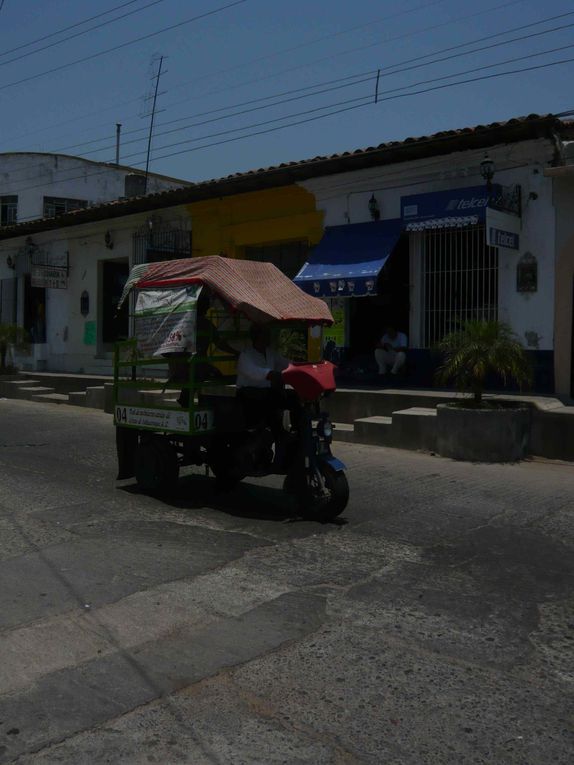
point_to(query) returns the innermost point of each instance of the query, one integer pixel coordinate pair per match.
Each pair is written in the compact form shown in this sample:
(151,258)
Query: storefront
(425,273)
(352,268)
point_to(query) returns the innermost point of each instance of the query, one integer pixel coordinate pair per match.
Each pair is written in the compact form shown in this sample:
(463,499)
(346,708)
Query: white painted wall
(344,199)
(32,176)
(65,349)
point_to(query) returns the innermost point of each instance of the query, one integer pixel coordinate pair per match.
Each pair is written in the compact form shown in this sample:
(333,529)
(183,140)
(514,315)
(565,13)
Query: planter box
(483,435)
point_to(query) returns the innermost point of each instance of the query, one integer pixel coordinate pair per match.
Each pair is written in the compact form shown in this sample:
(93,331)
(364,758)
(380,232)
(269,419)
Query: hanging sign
(165,320)
(49,270)
(502,229)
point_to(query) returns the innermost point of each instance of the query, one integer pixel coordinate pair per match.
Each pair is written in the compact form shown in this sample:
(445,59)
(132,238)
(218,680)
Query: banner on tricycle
(166,320)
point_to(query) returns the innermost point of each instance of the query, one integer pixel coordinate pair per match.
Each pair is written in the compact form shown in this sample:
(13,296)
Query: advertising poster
(334,337)
(165,320)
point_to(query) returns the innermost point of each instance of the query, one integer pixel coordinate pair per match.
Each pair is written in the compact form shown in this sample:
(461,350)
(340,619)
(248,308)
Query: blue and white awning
(458,208)
(348,259)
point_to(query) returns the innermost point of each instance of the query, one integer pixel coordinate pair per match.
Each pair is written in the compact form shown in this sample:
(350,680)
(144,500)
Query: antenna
(157,77)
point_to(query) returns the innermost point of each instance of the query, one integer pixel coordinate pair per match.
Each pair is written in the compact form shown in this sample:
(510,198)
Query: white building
(412,235)
(36,185)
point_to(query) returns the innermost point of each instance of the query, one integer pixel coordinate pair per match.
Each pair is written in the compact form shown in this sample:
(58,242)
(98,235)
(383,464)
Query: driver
(260,384)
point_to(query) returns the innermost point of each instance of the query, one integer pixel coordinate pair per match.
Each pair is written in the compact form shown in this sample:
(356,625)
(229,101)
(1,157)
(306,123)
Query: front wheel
(320,497)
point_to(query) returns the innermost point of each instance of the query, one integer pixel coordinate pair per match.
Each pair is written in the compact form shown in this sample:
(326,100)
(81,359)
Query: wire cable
(82,32)
(366,75)
(66,29)
(123,45)
(184,84)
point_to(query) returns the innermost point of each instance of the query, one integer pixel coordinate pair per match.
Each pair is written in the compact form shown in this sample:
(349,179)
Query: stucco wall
(344,199)
(66,349)
(224,226)
(564,203)
(32,176)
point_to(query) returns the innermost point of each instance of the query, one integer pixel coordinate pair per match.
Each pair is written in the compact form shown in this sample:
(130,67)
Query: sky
(252,83)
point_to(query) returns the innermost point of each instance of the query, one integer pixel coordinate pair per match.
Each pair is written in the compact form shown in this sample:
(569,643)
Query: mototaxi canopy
(260,291)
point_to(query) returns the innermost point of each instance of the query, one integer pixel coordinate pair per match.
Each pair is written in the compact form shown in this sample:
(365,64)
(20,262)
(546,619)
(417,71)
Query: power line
(370,102)
(65,29)
(286,50)
(343,107)
(354,50)
(393,69)
(79,34)
(123,45)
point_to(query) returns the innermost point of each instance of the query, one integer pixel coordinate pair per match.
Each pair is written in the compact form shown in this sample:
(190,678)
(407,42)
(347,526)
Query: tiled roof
(391,152)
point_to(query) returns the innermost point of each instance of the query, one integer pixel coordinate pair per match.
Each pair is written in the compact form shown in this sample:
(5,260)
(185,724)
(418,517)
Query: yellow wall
(224,226)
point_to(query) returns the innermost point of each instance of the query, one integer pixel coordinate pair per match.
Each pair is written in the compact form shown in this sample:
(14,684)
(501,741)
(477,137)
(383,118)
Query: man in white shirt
(260,366)
(392,351)
(260,387)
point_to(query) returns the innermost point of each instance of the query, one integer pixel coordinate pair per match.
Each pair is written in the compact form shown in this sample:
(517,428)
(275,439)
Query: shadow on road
(247,500)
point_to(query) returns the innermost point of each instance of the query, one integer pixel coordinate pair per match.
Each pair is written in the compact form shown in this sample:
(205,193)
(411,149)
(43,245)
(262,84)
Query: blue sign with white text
(454,203)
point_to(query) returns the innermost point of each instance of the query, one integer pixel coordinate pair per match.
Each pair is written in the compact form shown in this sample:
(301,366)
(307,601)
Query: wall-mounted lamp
(108,241)
(10,262)
(487,170)
(374,208)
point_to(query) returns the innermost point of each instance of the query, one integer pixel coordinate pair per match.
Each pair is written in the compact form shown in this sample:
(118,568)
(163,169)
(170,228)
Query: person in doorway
(260,386)
(391,354)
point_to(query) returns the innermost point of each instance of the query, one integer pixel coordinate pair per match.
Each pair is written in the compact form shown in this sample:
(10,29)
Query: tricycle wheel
(316,502)
(156,465)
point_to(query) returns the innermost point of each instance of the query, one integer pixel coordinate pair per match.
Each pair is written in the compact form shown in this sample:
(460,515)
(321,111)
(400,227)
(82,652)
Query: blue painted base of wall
(422,365)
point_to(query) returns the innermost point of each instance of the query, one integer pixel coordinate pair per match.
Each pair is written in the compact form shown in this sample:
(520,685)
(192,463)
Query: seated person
(391,353)
(260,384)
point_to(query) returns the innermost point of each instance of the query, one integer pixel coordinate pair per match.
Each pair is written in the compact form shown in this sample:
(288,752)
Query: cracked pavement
(432,625)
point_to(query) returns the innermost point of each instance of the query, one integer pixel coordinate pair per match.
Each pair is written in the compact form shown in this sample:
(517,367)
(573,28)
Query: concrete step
(77,398)
(414,428)
(95,397)
(26,392)
(377,430)
(342,431)
(62,382)
(50,398)
(8,388)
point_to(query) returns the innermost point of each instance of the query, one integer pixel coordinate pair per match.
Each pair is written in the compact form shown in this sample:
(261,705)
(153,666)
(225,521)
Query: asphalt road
(433,625)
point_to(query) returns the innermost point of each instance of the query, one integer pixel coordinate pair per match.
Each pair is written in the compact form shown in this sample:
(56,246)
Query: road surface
(434,625)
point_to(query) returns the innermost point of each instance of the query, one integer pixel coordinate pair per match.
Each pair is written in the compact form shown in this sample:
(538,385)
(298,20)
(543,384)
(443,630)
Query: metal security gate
(460,278)
(150,246)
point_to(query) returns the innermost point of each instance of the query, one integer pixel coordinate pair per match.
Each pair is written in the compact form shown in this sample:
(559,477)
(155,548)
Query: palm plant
(12,336)
(478,349)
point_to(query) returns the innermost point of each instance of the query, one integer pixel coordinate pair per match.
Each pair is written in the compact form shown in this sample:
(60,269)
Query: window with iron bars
(54,206)
(161,244)
(8,210)
(460,280)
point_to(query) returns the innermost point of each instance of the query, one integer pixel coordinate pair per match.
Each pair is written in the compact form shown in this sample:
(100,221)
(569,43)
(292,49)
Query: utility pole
(151,122)
(118,131)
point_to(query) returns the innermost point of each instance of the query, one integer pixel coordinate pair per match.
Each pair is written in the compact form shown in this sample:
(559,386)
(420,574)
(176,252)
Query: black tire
(156,465)
(312,504)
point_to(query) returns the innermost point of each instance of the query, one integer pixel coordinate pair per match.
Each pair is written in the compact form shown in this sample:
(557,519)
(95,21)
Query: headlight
(325,429)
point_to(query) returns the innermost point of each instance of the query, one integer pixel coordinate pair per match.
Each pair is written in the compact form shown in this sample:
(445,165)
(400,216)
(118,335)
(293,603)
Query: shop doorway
(368,316)
(114,325)
(34,311)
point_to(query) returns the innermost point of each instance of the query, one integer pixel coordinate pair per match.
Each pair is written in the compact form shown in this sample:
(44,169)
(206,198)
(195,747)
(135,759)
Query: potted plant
(12,337)
(475,428)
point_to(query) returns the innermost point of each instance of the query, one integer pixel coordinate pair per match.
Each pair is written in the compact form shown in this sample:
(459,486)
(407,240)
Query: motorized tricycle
(175,402)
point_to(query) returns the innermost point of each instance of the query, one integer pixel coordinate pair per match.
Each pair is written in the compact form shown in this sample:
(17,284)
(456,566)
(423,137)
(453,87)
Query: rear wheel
(320,500)
(156,465)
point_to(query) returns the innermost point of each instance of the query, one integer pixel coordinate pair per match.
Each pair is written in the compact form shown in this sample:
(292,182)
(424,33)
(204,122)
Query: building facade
(411,233)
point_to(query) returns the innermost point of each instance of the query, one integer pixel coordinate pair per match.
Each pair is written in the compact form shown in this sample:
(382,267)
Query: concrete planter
(483,435)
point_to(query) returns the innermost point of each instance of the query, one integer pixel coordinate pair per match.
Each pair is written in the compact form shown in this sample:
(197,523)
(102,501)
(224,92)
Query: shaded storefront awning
(348,259)
(498,208)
